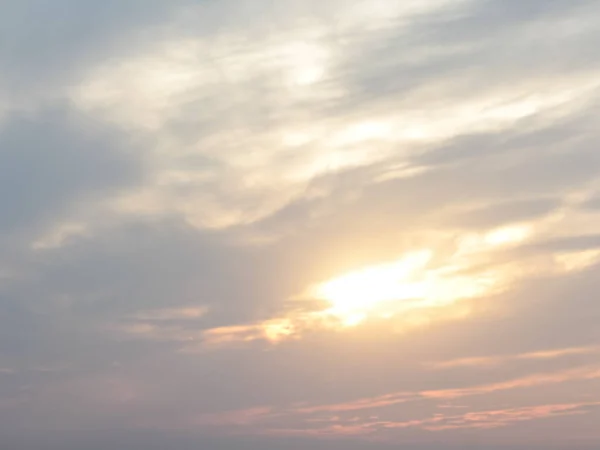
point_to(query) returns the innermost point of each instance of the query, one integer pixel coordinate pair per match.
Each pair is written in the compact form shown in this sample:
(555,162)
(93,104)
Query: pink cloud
(505,417)
(365,403)
(440,422)
(585,373)
(332,420)
(503,359)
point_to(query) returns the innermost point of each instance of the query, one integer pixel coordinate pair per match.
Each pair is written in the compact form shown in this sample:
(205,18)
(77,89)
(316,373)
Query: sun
(410,284)
(377,290)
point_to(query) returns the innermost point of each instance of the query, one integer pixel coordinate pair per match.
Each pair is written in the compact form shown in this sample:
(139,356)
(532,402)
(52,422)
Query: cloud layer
(343,224)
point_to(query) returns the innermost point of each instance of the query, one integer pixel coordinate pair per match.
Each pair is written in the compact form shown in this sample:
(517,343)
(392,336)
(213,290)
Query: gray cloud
(53,159)
(61,39)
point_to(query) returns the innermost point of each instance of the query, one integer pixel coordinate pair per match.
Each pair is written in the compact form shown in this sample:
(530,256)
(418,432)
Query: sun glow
(354,296)
(418,288)
(407,285)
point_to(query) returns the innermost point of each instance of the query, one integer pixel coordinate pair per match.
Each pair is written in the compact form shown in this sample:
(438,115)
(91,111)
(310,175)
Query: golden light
(414,290)
(507,235)
(395,289)
(377,289)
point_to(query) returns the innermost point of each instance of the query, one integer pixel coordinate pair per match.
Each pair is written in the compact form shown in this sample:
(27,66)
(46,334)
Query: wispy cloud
(585,373)
(369,218)
(477,420)
(485,361)
(375,415)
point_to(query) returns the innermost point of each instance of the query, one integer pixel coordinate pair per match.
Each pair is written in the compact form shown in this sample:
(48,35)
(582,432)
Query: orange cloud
(330,431)
(585,373)
(473,420)
(272,420)
(505,417)
(366,403)
(497,360)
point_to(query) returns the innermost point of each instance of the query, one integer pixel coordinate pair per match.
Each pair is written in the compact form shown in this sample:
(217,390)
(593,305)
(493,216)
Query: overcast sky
(299,224)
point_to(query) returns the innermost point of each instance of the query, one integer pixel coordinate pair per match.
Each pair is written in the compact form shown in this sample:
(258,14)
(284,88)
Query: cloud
(378,415)
(74,36)
(178,179)
(534,380)
(486,361)
(54,159)
(495,419)
(481,420)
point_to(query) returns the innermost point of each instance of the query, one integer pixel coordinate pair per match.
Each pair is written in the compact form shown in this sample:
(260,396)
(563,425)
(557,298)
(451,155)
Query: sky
(299,224)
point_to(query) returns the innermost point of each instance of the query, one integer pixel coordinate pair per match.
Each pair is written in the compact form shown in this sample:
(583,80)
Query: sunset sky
(299,224)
